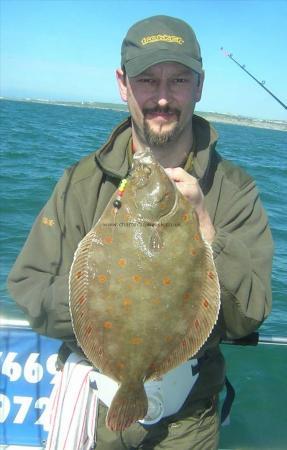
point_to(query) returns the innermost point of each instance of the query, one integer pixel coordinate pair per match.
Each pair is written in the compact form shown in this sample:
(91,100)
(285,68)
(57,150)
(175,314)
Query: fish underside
(144,292)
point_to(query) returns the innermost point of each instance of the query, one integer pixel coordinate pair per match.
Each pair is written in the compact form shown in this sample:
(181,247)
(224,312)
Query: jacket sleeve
(243,251)
(38,280)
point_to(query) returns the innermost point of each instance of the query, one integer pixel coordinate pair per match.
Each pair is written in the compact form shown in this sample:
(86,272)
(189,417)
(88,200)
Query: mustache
(162,110)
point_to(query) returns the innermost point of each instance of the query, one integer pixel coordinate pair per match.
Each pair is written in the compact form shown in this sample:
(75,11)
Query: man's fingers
(178,174)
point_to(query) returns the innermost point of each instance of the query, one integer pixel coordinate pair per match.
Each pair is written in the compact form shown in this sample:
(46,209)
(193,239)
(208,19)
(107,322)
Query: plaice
(144,292)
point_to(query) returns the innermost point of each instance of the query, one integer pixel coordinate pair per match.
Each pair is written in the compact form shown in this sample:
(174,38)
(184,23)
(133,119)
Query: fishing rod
(255,338)
(261,83)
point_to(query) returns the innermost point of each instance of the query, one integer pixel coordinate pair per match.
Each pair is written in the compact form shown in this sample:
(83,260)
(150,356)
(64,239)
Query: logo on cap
(162,38)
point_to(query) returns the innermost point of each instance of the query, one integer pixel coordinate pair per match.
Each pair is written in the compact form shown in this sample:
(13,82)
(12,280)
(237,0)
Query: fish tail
(129,405)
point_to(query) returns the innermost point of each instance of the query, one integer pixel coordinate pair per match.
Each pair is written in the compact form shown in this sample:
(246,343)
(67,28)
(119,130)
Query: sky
(70,49)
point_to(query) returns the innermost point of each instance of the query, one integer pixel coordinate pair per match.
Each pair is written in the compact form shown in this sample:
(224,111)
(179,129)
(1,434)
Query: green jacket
(242,247)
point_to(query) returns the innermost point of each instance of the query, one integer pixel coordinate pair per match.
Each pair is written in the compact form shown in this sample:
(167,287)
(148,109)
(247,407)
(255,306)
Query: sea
(39,140)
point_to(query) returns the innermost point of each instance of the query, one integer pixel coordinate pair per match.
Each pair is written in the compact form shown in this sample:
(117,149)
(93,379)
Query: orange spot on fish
(108,239)
(163,204)
(166,281)
(156,301)
(152,366)
(196,237)
(205,303)
(102,278)
(127,302)
(120,365)
(186,296)
(108,325)
(185,217)
(88,331)
(78,275)
(168,338)
(211,275)
(193,252)
(136,340)
(196,323)
(122,262)
(81,299)
(136,278)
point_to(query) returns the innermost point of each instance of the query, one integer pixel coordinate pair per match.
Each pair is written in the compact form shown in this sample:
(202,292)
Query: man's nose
(163,93)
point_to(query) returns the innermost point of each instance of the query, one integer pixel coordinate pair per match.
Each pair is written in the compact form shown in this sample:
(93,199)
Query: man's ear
(199,87)
(122,84)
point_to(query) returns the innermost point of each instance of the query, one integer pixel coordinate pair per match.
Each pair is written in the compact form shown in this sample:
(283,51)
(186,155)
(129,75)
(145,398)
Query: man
(161,79)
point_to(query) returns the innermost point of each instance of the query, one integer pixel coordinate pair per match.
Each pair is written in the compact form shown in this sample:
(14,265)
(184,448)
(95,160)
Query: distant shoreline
(279,125)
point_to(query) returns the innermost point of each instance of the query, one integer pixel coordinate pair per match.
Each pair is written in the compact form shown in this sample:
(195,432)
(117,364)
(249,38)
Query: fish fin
(207,316)
(78,300)
(202,323)
(129,405)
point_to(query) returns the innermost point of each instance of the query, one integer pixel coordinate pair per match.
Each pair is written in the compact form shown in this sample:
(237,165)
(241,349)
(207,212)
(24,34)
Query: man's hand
(189,187)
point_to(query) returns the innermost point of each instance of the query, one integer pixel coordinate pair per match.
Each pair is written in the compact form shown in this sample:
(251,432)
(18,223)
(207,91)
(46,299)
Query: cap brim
(138,65)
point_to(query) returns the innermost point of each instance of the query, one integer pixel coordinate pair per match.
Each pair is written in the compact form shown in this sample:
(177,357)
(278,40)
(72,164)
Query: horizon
(69,50)
(275,124)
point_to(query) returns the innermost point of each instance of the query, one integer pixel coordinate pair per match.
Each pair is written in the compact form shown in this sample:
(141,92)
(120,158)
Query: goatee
(155,138)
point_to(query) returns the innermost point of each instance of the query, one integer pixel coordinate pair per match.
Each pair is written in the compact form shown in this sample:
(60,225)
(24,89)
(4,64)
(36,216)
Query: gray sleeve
(38,281)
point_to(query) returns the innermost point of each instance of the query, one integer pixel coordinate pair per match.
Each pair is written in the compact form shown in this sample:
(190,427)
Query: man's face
(161,101)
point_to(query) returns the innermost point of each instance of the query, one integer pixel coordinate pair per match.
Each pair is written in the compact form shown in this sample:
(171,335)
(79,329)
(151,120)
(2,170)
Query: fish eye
(147,170)
(141,176)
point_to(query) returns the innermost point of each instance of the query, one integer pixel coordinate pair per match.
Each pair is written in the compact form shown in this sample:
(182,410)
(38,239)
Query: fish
(144,294)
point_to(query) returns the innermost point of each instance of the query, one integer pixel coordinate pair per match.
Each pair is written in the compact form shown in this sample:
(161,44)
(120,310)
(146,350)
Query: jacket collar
(113,156)
(206,138)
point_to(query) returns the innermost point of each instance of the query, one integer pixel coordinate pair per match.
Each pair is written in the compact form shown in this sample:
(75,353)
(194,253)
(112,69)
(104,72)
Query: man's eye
(146,80)
(180,80)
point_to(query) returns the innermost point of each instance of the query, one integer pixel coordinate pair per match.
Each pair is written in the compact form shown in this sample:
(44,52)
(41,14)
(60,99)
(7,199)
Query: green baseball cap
(160,39)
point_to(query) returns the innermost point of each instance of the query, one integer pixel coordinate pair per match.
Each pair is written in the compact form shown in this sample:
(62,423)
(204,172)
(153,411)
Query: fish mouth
(173,208)
(165,196)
